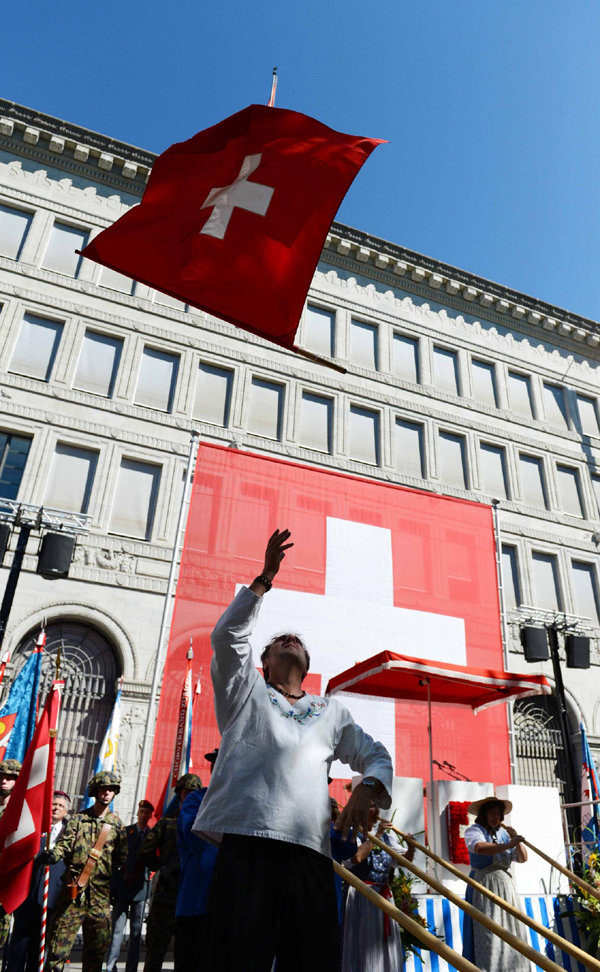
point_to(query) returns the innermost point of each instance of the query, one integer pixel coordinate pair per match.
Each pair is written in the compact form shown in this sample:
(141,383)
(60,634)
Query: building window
(364,435)
(157,380)
(405,361)
(546,591)
(569,491)
(316,421)
(135,499)
(36,347)
(363,345)
(493,470)
(409,449)
(588,415)
(319,331)
(596,488)
(452,460)
(113,280)
(585,590)
(445,370)
(14,450)
(213,394)
(168,301)
(98,363)
(556,410)
(510,577)
(519,391)
(532,481)
(71,478)
(484,382)
(60,253)
(266,409)
(14,226)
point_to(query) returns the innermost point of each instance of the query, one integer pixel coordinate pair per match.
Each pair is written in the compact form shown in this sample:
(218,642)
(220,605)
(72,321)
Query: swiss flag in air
(233,220)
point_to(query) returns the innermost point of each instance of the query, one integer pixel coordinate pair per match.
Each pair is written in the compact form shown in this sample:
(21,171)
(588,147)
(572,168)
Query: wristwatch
(370,782)
(261,579)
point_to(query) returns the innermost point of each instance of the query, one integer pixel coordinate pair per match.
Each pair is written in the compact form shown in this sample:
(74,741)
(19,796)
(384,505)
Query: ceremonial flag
(233,221)
(183,740)
(3,663)
(18,714)
(29,811)
(590,816)
(107,754)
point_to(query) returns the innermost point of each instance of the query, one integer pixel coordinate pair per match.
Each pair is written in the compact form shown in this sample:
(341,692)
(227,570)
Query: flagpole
(162,645)
(51,763)
(271,101)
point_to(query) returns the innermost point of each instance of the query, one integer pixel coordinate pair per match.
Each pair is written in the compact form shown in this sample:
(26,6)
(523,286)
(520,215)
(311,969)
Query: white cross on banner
(245,195)
(356,618)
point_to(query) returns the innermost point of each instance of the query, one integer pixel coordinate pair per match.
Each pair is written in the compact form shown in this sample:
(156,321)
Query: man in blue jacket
(197,859)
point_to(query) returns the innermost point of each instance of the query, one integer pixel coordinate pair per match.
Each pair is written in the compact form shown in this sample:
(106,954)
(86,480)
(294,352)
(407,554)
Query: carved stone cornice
(443,274)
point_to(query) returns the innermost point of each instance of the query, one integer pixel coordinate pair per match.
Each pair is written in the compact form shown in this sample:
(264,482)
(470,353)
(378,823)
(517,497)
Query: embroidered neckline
(314,709)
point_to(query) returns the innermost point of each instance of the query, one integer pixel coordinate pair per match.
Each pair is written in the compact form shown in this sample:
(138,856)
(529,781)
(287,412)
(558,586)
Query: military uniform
(91,909)
(8,767)
(159,853)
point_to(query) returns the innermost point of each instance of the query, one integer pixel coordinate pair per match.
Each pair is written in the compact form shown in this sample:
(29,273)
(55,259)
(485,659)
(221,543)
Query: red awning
(394,676)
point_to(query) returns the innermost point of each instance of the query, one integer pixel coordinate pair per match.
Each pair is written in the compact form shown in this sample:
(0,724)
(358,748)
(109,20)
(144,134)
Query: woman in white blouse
(492,848)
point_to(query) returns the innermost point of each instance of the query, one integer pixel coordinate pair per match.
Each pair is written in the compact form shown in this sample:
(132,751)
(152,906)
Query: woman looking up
(492,848)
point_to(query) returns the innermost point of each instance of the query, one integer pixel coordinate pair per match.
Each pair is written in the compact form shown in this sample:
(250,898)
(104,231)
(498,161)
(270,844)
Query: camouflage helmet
(104,778)
(189,781)
(10,767)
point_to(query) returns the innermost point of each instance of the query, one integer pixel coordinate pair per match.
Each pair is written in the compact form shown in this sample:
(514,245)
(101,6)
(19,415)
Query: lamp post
(29,518)
(553,622)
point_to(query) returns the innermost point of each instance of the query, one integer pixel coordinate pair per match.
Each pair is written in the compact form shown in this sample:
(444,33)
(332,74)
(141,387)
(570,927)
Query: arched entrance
(90,671)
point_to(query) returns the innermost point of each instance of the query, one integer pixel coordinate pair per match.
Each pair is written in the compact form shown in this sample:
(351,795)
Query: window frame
(476,359)
(15,204)
(59,219)
(354,403)
(466,454)
(136,372)
(580,490)
(320,306)
(397,332)
(436,346)
(506,466)
(284,417)
(523,451)
(376,325)
(576,558)
(532,399)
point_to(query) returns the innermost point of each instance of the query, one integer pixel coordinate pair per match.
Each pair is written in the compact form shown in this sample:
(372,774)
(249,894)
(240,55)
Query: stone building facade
(454,384)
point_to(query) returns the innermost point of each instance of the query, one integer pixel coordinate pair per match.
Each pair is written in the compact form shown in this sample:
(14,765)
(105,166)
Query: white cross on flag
(233,221)
(29,811)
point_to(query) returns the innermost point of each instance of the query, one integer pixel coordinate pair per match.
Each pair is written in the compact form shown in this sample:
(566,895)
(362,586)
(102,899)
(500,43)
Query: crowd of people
(239,873)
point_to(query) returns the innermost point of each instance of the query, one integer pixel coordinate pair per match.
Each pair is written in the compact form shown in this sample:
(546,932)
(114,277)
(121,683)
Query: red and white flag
(233,221)
(3,663)
(182,753)
(29,811)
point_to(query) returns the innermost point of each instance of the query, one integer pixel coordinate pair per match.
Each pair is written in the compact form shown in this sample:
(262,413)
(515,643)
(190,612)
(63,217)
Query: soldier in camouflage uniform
(91,908)
(159,853)
(9,770)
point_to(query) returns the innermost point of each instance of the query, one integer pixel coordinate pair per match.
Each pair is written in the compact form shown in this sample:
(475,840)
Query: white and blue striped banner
(447,920)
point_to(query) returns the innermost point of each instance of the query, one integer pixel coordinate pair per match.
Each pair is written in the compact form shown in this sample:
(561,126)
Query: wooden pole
(577,953)
(565,870)
(417,931)
(525,949)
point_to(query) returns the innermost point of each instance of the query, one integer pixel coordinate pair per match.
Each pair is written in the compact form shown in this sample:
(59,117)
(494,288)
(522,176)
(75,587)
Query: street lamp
(28,518)
(535,645)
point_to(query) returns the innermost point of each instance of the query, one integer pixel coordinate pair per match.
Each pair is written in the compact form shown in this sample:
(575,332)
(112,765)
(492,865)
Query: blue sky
(490,107)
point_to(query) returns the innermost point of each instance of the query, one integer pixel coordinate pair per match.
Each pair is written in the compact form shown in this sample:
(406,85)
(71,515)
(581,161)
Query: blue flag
(18,714)
(107,757)
(590,815)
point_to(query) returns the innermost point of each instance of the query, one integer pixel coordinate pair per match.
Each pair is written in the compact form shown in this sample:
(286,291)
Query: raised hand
(275,552)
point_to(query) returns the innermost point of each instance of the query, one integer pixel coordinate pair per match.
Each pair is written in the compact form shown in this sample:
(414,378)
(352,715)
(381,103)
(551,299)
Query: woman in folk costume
(371,939)
(492,848)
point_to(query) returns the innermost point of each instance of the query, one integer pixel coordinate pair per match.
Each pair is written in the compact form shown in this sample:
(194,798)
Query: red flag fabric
(233,221)
(29,811)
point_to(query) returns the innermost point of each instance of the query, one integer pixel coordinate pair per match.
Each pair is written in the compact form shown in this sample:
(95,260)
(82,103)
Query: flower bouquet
(401,886)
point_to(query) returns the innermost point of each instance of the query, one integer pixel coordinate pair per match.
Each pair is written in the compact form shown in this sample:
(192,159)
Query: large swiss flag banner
(233,221)
(374,567)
